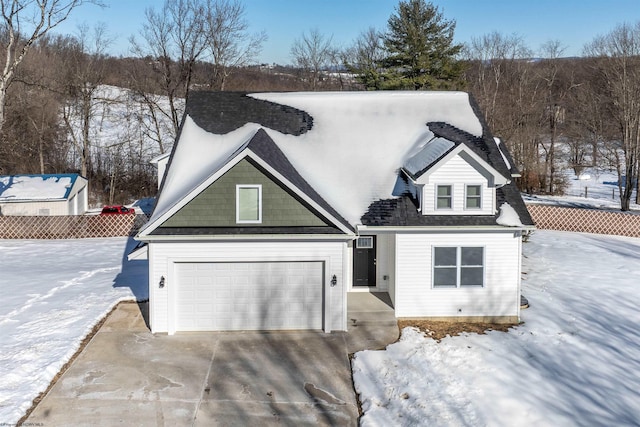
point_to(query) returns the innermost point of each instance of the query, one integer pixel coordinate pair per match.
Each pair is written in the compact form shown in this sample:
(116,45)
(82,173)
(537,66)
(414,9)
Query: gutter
(399,229)
(245,237)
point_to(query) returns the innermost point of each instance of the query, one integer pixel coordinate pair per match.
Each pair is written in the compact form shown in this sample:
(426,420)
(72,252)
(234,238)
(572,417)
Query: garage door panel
(249,296)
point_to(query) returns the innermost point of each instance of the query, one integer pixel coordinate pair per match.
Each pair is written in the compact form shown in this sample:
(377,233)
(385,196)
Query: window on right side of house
(444,199)
(473,199)
(455,267)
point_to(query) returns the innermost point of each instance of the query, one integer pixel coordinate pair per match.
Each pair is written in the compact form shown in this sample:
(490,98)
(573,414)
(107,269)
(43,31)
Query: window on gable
(444,199)
(249,204)
(473,197)
(455,267)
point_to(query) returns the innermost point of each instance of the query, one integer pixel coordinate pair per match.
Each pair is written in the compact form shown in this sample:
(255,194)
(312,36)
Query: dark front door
(364,261)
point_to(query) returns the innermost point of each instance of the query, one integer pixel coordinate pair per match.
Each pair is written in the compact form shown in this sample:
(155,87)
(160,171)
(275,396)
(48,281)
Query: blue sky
(573,22)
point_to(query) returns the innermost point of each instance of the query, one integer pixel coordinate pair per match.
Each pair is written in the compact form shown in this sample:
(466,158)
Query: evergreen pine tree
(420,49)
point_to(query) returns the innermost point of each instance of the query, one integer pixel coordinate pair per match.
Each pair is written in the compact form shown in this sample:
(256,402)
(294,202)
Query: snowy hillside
(123,124)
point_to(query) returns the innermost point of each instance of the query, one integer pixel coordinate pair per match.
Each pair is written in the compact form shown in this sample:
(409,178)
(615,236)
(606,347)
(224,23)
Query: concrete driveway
(126,375)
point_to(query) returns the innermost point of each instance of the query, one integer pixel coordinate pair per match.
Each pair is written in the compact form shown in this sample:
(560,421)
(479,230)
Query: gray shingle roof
(224,112)
(403,212)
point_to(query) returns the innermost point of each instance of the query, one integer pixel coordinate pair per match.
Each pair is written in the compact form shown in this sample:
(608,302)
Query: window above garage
(249,204)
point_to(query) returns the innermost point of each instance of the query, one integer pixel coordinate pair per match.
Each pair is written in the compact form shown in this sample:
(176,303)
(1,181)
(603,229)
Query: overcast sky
(573,22)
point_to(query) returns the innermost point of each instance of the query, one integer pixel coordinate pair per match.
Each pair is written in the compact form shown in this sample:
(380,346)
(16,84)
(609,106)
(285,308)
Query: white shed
(43,195)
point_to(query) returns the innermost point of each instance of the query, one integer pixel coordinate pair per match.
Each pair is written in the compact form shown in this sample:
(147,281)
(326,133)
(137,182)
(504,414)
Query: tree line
(552,112)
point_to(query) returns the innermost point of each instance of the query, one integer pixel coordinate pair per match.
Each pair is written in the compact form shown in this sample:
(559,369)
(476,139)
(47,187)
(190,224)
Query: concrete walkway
(128,376)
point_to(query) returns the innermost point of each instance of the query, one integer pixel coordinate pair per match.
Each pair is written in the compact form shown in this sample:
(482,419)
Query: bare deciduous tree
(492,57)
(617,56)
(173,40)
(365,57)
(85,73)
(228,39)
(312,53)
(24,22)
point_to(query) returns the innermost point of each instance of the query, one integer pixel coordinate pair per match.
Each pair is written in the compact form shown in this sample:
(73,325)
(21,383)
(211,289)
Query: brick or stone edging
(585,220)
(70,227)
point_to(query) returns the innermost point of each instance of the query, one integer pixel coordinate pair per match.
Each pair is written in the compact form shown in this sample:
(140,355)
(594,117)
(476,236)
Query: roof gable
(468,156)
(280,208)
(264,152)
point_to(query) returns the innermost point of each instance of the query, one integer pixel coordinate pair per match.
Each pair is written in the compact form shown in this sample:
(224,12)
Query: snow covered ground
(53,293)
(594,189)
(574,361)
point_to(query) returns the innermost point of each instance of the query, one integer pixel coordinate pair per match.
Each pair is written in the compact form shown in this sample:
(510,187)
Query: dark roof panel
(403,212)
(224,112)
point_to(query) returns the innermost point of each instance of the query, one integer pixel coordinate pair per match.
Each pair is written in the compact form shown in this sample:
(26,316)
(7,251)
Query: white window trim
(367,246)
(466,195)
(450,197)
(458,267)
(242,186)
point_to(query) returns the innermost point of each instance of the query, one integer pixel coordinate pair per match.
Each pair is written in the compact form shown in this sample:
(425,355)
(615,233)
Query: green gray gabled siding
(216,205)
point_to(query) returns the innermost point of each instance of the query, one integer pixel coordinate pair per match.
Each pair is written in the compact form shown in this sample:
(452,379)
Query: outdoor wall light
(161,284)
(334,281)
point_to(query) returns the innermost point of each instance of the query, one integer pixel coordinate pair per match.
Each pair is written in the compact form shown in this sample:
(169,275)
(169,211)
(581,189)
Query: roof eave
(428,228)
(245,237)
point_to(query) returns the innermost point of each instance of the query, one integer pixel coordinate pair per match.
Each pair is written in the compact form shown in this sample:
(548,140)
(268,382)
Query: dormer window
(248,204)
(444,198)
(473,199)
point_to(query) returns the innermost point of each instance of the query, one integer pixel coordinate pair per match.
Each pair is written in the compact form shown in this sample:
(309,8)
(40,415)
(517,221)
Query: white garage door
(249,296)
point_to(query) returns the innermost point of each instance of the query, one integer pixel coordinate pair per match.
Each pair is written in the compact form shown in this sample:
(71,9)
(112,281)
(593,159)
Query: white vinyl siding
(460,175)
(44,208)
(164,257)
(75,204)
(416,297)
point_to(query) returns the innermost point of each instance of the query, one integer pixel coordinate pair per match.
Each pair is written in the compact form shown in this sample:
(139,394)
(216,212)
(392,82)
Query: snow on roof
(506,161)
(508,216)
(350,156)
(160,158)
(198,156)
(430,152)
(23,188)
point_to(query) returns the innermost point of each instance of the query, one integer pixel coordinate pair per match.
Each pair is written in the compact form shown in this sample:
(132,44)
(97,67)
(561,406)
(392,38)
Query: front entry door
(364,261)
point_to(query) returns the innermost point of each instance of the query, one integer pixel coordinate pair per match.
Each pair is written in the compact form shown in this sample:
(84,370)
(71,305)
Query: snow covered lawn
(53,293)
(575,360)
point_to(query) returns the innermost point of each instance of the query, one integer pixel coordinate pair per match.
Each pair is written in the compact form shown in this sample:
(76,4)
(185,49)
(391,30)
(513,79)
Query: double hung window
(455,267)
(473,198)
(444,199)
